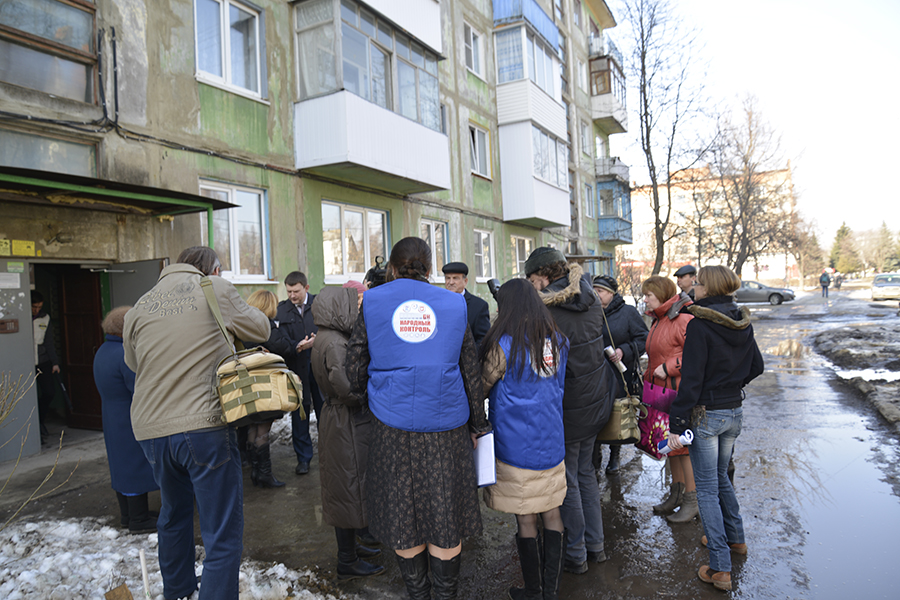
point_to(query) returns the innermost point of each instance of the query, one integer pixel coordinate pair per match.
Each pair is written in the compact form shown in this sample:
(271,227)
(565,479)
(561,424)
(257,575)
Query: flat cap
(542,257)
(456,267)
(686,270)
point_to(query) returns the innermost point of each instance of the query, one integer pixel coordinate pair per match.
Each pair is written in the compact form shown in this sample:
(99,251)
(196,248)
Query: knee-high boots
(530,560)
(554,556)
(415,575)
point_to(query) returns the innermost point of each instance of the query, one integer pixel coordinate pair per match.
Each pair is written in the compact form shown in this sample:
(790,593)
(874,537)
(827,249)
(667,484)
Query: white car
(886,287)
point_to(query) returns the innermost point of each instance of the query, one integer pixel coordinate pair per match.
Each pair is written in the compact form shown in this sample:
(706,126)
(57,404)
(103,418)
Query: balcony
(507,12)
(609,113)
(347,138)
(605,168)
(614,229)
(603,46)
(523,100)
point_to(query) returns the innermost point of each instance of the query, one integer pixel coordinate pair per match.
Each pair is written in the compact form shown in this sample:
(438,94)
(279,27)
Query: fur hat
(542,257)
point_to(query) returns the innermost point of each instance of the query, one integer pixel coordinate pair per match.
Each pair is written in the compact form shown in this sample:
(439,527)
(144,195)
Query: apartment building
(310,134)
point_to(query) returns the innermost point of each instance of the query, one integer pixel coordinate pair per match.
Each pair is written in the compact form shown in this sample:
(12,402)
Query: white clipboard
(485,463)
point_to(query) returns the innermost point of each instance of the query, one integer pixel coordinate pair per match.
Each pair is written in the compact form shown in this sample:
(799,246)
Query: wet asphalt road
(817,478)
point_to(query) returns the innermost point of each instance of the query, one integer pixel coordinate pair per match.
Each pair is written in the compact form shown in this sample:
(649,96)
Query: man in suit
(295,317)
(455,280)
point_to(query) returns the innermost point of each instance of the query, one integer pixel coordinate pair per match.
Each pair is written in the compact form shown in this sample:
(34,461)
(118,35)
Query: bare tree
(757,199)
(803,244)
(664,62)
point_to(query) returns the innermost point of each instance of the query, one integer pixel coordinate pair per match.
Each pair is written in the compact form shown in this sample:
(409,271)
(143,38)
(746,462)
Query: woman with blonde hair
(665,345)
(258,431)
(720,358)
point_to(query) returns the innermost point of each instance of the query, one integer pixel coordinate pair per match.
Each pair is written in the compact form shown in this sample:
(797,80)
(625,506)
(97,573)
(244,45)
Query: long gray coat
(345,425)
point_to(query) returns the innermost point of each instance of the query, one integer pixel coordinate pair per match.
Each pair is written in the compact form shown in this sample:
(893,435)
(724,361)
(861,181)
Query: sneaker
(574,566)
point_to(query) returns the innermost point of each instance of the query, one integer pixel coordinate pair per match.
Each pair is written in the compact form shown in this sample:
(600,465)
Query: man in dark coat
(685,277)
(455,280)
(588,397)
(46,362)
(295,318)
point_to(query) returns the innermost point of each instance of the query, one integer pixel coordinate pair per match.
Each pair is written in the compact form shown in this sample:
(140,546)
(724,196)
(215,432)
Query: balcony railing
(603,46)
(612,167)
(614,229)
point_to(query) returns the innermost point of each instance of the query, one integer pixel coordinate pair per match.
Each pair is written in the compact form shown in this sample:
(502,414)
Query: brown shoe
(720,579)
(736,548)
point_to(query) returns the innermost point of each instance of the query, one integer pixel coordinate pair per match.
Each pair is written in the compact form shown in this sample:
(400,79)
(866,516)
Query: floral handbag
(658,397)
(654,428)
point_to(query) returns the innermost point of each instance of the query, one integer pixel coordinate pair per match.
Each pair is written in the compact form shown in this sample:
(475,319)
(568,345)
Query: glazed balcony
(605,168)
(614,229)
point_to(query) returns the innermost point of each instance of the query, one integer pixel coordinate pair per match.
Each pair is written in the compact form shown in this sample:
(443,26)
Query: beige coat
(173,345)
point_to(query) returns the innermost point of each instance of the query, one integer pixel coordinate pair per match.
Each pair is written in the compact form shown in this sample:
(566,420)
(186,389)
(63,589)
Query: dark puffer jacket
(590,378)
(345,426)
(720,358)
(629,333)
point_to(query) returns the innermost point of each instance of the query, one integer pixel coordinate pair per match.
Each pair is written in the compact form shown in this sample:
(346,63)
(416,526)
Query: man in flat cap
(455,280)
(684,277)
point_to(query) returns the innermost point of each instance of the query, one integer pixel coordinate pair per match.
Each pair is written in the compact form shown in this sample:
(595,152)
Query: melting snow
(869,374)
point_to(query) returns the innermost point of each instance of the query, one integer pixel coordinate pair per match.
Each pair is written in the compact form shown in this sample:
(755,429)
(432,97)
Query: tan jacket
(173,344)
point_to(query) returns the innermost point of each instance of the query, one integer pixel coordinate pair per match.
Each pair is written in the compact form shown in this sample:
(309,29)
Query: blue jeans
(710,452)
(204,464)
(581,513)
(300,437)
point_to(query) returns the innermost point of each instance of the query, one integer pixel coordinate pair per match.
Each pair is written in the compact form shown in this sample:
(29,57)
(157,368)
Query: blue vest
(527,414)
(415,335)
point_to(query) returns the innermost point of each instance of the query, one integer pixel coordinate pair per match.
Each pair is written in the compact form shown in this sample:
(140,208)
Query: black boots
(530,560)
(445,577)
(135,513)
(415,575)
(554,555)
(350,566)
(612,467)
(261,467)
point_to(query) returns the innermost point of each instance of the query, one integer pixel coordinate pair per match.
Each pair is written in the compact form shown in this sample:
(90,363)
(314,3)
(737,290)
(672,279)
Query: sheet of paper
(485,464)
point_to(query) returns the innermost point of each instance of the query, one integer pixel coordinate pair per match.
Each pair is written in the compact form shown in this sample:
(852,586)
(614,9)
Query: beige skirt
(526,492)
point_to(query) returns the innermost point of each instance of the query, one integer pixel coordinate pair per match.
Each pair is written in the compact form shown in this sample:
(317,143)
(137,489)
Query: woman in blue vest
(524,368)
(412,352)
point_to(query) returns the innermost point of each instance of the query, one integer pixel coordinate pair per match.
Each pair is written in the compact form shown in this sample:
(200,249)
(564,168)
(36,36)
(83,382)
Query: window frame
(51,47)
(368,256)
(588,201)
(226,81)
(436,274)
(469,43)
(234,274)
(474,156)
(585,137)
(520,263)
(479,244)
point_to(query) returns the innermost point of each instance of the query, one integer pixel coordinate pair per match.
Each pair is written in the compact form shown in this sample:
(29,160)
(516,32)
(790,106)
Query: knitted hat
(607,283)
(542,257)
(359,287)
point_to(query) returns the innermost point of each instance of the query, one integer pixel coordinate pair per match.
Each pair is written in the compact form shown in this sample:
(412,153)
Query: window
(549,157)
(573,203)
(568,108)
(48,46)
(522,247)
(606,78)
(372,52)
(508,45)
(352,236)
(230,45)
(474,50)
(588,201)
(28,151)
(540,64)
(479,148)
(484,268)
(576,13)
(316,54)
(435,235)
(582,75)
(585,138)
(560,14)
(599,146)
(563,66)
(607,202)
(239,233)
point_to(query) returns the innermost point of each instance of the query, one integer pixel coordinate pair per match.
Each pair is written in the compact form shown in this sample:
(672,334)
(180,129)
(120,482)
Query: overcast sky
(827,76)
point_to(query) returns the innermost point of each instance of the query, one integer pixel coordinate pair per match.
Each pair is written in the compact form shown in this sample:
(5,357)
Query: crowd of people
(397,371)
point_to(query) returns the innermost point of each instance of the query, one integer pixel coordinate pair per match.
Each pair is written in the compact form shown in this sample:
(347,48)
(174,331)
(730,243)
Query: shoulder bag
(622,426)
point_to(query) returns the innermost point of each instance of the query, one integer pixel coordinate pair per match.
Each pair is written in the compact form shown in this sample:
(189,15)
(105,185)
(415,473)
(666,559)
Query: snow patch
(869,374)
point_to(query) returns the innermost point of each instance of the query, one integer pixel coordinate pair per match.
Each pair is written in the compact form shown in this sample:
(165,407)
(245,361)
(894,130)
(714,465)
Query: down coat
(629,333)
(345,426)
(665,342)
(590,378)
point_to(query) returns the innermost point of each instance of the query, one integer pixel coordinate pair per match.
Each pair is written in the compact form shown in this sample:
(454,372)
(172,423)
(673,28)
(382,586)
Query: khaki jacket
(173,344)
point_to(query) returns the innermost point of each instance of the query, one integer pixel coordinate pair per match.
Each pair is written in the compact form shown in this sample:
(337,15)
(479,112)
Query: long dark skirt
(422,487)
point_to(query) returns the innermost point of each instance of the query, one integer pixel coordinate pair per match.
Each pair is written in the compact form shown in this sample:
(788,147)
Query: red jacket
(665,342)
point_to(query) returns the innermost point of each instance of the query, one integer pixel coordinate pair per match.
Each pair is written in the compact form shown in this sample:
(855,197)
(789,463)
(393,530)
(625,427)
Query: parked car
(886,287)
(753,291)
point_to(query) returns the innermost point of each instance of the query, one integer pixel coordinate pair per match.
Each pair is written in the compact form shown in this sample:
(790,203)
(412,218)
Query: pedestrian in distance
(174,345)
(479,316)
(258,446)
(344,431)
(590,390)
(665,347)
(825,282)
(294,317)
(720,358)
(625,329)
(131,476)
(684,278)
(523,368)
(46,362)
(413,353)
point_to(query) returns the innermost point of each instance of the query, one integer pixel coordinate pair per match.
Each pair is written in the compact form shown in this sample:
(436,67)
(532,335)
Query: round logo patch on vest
(414,321)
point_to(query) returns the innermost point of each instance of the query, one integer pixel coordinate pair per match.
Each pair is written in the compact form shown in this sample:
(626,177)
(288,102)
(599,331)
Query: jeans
(824,291)
(300,437)
(710,452)
(581,513)
(204,464)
